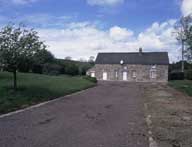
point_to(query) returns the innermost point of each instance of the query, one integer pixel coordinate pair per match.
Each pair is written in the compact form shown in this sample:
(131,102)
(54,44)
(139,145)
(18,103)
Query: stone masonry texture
(115,72)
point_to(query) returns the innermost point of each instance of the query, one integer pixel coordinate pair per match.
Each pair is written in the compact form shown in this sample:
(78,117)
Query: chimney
(140,51)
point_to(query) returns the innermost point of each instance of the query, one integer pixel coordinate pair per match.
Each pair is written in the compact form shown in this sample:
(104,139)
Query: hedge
(188,74)
(176,76)
(94,80)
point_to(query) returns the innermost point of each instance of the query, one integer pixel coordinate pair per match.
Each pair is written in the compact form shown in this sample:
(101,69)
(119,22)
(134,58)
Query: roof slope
(145,58)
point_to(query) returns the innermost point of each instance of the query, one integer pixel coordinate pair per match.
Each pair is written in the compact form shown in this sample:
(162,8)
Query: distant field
(184,86)
(35,88)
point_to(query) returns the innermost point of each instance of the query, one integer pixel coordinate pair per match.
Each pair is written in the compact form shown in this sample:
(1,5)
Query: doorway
(105,76)
(124,76)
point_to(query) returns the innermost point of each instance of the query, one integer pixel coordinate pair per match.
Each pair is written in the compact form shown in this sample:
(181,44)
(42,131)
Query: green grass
(35,88)
(184,86)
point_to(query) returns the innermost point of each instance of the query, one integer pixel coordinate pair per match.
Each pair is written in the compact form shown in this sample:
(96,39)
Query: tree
(91,60)
(43,56)
(182,28)
(71,69)
(52,69)
(40,58)
(17,44)
(68,58)
(188,51)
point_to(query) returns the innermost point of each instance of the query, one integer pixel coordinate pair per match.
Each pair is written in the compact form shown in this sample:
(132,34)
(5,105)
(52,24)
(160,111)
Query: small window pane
(134,74)
(153,74)
(116,74)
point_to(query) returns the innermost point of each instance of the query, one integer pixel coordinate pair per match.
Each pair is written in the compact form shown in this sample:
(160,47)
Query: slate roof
(144,58)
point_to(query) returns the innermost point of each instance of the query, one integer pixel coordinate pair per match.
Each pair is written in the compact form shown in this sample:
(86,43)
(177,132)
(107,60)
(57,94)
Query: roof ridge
(128,52)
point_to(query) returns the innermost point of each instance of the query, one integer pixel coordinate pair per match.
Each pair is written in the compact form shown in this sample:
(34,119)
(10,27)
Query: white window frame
(134,74)
(153,72)
(116,74)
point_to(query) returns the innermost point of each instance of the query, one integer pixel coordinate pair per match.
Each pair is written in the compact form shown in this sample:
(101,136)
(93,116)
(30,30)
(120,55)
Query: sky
(82,28)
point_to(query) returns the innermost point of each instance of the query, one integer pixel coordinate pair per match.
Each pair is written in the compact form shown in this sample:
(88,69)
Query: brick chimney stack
(140,51)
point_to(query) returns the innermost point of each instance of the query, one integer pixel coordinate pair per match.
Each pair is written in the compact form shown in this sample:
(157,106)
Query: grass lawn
(184,86)
(35,88)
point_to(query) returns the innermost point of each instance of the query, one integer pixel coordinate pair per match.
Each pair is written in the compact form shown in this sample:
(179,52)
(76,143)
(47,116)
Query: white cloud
(84,39)
(38,20)
(17,2)
(120,34)
(81,40)
(104,2)
(186,7)
(23,1)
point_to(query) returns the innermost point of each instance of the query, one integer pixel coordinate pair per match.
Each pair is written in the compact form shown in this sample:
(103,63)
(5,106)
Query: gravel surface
(108,115)
(171,115)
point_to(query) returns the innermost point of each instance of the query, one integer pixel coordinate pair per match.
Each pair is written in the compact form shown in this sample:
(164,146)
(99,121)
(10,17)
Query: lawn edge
(45,102)
(170,84)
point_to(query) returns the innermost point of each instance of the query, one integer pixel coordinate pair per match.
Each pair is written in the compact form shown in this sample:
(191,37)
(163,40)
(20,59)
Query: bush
(24,66)
(188,74)
(51,69)
(176,76)
(37,68)
(83,69)
(71,69)
(7,68)
(94,80)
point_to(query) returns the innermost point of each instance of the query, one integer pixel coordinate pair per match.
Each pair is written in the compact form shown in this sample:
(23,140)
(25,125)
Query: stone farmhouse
(134,67)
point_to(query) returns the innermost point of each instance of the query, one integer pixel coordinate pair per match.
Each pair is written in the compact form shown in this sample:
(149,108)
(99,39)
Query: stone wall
(115,72)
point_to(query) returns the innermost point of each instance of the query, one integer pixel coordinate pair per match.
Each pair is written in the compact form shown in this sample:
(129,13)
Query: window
(134,75)
(116,74)
(153,72)
(153,67)
(93,74)
(125,67)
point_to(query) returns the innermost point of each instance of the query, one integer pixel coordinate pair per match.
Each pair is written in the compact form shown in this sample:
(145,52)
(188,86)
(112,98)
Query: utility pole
(182,62)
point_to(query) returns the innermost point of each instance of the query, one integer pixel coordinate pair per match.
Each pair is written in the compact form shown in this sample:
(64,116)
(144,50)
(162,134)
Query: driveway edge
(152,142)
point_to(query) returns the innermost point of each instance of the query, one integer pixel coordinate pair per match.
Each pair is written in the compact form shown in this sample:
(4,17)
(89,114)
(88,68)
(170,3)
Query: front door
(124,76)
(104,75)
(92,74)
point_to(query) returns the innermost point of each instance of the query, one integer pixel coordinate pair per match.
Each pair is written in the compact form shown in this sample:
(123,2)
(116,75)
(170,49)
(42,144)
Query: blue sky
(133,14)
(81,28)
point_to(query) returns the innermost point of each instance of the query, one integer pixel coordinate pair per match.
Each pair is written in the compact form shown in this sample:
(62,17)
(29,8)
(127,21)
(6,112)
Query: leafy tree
(24,65)
(52,69)
(71,69)
(43,56)
(40,58)
(37,68)
(83,67)
(183,29)
(68,58)
(91,60)
(188,50)
(17,44)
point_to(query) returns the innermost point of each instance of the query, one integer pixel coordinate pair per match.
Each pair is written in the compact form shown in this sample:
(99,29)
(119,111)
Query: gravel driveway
(109,115)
